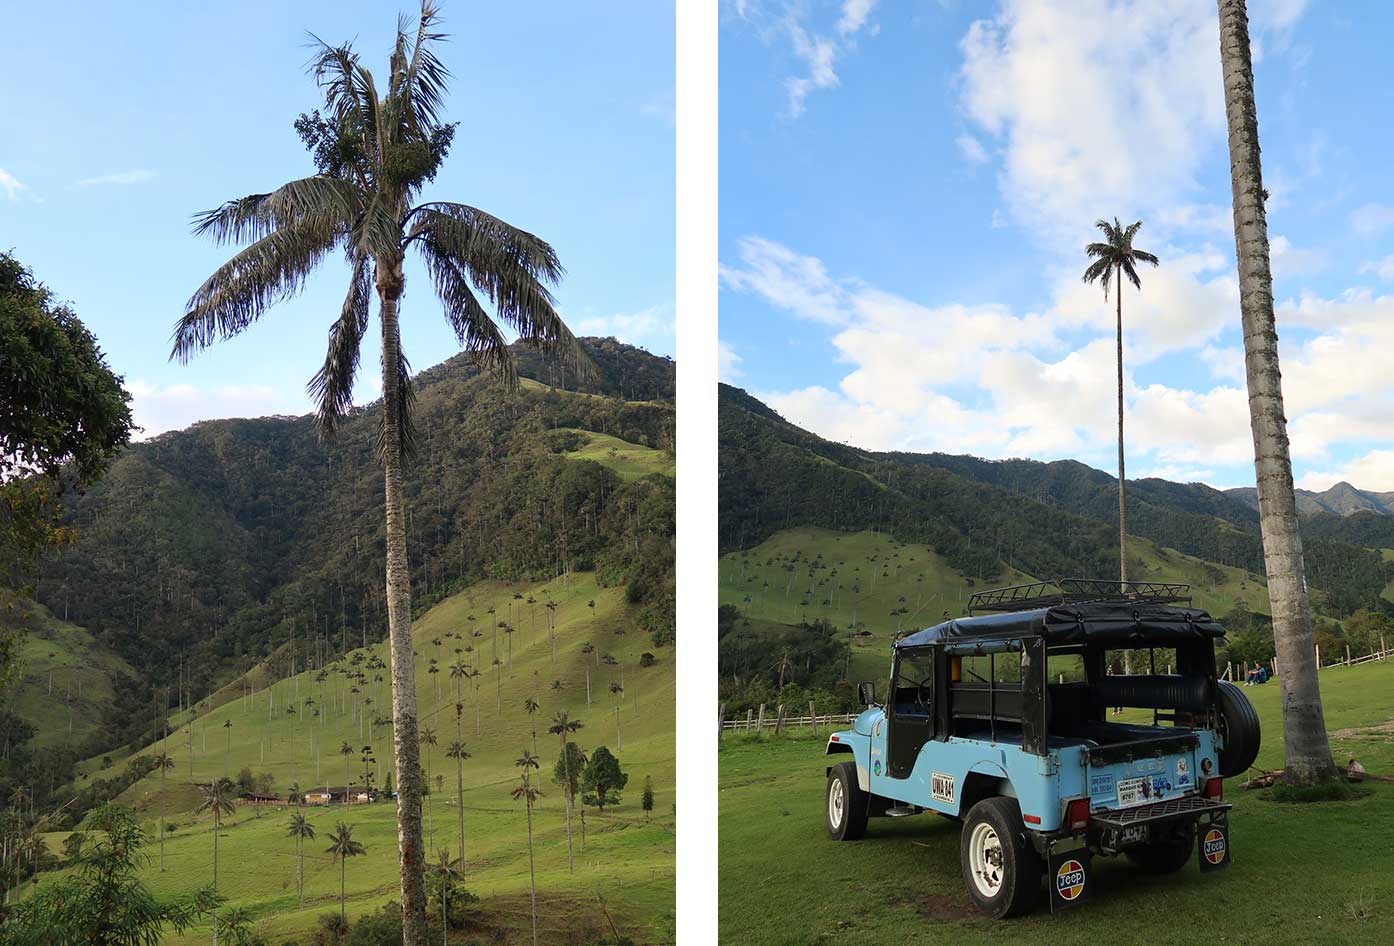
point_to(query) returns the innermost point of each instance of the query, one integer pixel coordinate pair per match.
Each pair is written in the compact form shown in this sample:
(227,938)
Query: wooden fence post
(748,714)
(1383,653)
(1347,655)
(779,720)
(720,720)
(1318,646)
(813,718)
(760,720)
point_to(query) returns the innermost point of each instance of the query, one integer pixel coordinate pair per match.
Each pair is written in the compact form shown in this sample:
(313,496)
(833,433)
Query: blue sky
(144,114)
(906,190)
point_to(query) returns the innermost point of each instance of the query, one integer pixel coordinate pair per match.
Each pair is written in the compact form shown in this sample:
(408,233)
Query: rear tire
(844,804)
(1239,728)
(1162,857)
(1000,868)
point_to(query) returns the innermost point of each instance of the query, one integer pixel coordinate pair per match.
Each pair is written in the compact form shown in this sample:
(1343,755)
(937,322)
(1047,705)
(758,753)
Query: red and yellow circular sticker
(1069,880)
(1213,847)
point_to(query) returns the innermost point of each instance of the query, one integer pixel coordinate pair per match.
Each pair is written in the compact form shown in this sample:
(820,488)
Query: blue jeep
(1004,721)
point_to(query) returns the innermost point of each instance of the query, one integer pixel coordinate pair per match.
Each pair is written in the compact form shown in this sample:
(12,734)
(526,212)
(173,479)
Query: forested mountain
(1045,519)
(205,549)
(1342,499)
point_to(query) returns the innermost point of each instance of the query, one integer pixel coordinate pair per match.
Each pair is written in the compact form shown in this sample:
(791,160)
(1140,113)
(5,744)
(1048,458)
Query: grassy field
(870,579)
(66,680)
(627,859)
(1301,873)
(629,460)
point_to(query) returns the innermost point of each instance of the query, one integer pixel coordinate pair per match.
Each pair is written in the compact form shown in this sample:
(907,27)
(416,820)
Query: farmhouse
(338,795)
(260,798)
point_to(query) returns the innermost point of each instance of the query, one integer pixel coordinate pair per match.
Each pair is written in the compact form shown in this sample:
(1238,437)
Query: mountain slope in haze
(1044,519)
(1342,499)
(206,549)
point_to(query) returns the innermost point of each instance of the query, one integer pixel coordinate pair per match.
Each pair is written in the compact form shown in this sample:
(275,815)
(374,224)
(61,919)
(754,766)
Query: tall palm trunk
(1305,744)
(403,663)
(532,875)
(162,816)
(217,823)
(1122,507)
(460,804)
(566,793)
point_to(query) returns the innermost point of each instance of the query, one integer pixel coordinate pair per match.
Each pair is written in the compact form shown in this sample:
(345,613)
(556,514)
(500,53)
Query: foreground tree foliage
(103,904)
(63,416)
(375,148)
(1306,748)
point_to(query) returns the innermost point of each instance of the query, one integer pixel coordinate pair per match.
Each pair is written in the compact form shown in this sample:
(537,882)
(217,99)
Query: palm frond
(417,88)
(332,385)
(508,265)
(1143,256)
(1099,269)
(1126,265)
(254,216)
(239,291)
(348,90)
(1097,250)
(474,328)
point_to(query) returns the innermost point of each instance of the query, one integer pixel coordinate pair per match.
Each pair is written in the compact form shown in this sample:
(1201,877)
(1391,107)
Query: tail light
(1215,789)
(1077,814)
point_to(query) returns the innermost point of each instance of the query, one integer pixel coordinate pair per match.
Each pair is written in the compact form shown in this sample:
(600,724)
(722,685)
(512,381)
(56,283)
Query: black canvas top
(1112,623)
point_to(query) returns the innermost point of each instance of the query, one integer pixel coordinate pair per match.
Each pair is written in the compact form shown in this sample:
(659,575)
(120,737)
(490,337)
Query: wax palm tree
(531,706)
(375,151)
(563,726)
(218,796)
(616,690)
(164,763)
(342,846)
(227,756)
(445,874)
(529,794)
(587,649)
(456,751)
(237,926)
(1306,748)
(1115,258)
(346,751)
(300,829)
(428,739)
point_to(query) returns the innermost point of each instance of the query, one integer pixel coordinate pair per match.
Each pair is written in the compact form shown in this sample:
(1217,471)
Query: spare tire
(1239,731)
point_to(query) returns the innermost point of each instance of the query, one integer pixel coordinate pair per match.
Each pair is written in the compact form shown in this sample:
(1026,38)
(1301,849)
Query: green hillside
(877,585)
(68,683)
(630,460)
(1301,873)
(628,858)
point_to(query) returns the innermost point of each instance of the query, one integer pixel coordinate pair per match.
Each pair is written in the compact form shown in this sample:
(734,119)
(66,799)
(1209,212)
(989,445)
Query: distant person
(1115,669)
(1256,675)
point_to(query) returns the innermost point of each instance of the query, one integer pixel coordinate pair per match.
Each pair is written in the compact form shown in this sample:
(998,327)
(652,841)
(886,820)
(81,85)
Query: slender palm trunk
(216,825)
(300,870)
(404,730)
(1122,508)
(460,804)
(532,876)
(162,817)
(342,914)
(1305,744)
(566,792)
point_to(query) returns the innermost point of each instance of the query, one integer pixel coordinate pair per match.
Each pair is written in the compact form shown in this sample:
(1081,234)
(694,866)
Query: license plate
(1130,792)
(1135,834)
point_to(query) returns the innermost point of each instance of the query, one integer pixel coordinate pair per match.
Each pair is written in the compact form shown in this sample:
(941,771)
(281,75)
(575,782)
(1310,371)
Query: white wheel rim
(836,801)
(985,860)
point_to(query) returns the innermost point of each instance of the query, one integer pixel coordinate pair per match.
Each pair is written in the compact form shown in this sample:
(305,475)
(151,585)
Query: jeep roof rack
(1044,594)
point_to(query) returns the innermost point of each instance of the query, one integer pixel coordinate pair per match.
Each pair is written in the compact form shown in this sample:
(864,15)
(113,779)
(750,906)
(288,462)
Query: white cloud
(797,284)
(1373,471)
(972,148)
(727,363)
(1383,268)
(11,185)
(121,177)
(648,327)
(1102,107)
(854,16)
(1372,219)
(817,46)
(158,408)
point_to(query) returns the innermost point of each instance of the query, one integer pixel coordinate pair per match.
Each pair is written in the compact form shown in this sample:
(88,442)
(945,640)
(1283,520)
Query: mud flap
(1212,843)
(1068,877)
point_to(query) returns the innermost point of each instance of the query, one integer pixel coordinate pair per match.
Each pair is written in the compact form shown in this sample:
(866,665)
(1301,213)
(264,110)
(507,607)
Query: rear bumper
(1109,832)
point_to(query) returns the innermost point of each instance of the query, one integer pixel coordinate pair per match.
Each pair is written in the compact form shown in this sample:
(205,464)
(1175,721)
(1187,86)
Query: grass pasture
(628,859)
(870,579)
(630,461)
(1301,873)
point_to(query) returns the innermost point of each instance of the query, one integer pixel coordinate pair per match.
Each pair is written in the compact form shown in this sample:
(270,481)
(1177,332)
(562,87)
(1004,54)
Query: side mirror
(866,694)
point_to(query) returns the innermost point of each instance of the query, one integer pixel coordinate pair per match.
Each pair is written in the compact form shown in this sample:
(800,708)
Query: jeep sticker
(876,767)
(1101,783)
(941,787)
(1213,846)
(1069,880)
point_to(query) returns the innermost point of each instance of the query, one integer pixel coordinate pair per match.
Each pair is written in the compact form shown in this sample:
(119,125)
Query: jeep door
(909,709)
